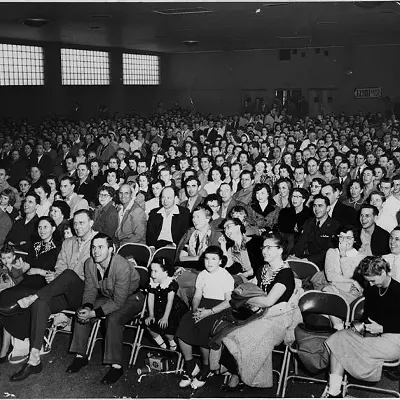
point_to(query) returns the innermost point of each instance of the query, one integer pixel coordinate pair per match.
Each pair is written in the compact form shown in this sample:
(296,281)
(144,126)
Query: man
(236,170)
(211,132)
(312,171)
(385,186)
(205,165)
(318,233)
(374,239)
(43,161)
(64,290)
(255,155)
(356,173)
(300,177)
(70,167)
(85,187)
(177,175)
(167,224)
(5,155)
(131,218)
(228,202)
(111,291)
(341,213)
(192,186)
(156,188)
(368,181)
(343,178)
(106,150)
(75,202)
(392,204)
(245,194)
(90,144)
(4,175)
(152,157)
(49,151)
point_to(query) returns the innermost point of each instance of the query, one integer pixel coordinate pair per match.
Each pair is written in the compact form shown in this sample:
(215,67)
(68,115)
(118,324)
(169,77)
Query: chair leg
(92,339)
(282,371)
(285,380)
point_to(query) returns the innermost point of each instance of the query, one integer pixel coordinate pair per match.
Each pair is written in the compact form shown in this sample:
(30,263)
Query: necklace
(382,294)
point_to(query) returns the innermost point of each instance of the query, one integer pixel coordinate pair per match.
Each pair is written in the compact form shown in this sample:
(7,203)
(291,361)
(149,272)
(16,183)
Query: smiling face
(100,250)
(45,230)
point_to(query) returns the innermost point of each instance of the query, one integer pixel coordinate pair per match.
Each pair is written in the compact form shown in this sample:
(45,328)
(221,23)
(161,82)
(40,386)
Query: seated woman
(42,258)
(291,219)
(363,356)
(214,286)
(340,264)
(243,252)
(384,220)
(393,258)
(215,178)
(114,178)
(263,211)
(241,213)
(7,201)
(355,198)
(60,212)
(283,187)
(244,359)
(52,181)
(327,169)
(106,215)
(43,190)
(315,188)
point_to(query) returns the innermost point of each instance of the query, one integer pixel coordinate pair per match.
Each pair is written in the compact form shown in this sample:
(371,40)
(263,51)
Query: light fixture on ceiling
(190,42)
(95,28)
(101,16)
(293,37)
(275,4)
(183,11)
(34,22)
(327,22)
(258,10)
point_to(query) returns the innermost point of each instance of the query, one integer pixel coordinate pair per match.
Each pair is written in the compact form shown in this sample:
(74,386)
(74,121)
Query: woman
(229,152)
(106,215)
(7,201)
(60,212)
(42,257)
(355,199)
(363,356)
(340,264)
(171,155)
(53,184)
(326,169)
(285,172)
(315,188)
(24,187)
(283,187)
(215,178)
(242,214)
(113,178)
(259,172)
(144,186)
(263,211)
(384,220)
(96,173)
(43,191)
(291,219)
(242,251)
(214,286)
(244,359)
(226,169)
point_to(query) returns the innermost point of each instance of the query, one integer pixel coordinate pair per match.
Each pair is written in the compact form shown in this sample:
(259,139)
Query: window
(140,69)
(84,67)
(21,65)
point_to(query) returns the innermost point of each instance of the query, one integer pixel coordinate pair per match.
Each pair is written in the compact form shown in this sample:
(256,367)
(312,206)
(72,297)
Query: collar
(129,206)
(175,210)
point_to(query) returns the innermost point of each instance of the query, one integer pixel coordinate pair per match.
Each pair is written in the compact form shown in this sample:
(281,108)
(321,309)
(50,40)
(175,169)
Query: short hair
(34,195)
(356,233)
(376,192)
(93,160)
(215,250)
(118,173)
(68,178)
(157,180)
(279,240)
(303,192)
(101,235)
(336,187)
(110,190)
(48,219)
(375,211)
(247,172)
(238,209)
(192,178)
(386,180)
(322,197)
(70,156)
(63,207)
(218,169)
(89,213)
(204,207)
(7,249)
(372,266)
(237,222)
(43,185)
(213,197)
(10,194)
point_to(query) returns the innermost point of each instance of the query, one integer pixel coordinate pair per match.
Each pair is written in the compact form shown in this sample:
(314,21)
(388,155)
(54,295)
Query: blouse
(214,285)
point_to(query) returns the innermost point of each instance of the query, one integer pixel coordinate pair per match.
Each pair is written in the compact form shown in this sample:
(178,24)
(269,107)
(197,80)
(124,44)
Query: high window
(140,69)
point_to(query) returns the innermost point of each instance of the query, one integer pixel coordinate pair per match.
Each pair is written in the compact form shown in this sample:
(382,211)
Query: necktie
(197,244)
(317,224)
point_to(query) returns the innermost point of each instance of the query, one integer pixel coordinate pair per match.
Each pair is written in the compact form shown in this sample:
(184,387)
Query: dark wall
(35,102)
(218,81)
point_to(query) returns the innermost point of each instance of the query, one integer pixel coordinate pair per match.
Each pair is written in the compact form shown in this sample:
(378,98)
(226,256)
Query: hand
(163,322)
(22,243)
(9,209)
(50,276)
(34,271)
(373,327)
(343,249)
(201,313)
(149,320)
(222,242)
(84,315)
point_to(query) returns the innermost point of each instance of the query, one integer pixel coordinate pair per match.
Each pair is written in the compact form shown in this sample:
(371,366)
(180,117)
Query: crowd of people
(236,196)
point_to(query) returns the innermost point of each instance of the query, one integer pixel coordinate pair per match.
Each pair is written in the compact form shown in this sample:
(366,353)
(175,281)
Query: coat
(106,219)
(380,241)
(132,228)
(345,215)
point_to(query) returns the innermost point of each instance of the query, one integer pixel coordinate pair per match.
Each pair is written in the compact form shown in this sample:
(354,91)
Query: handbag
(5,279)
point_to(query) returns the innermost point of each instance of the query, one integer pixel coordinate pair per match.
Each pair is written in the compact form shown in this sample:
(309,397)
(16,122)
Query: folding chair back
(139,252)
(144,277)
(165,252)
(303,268)
(357,309)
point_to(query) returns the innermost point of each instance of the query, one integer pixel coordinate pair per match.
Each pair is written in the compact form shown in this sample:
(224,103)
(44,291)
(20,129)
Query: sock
(34,357)
(335,384)
(189,366)
(160,341)
(116,366)
(79,356)
(172,344)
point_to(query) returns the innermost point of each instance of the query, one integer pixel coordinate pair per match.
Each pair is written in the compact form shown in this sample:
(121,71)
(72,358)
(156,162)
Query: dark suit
(380,241)
(314,242)
(198,201)
(345,186)
(179,225)
(212,135)
(344,214)
(45,164)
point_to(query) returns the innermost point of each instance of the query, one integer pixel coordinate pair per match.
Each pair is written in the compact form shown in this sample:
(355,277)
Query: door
(321,101)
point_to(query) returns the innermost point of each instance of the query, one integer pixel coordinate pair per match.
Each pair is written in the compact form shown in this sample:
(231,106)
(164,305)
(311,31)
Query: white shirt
(215,285)
(166,233)
(394,262)
(122,211)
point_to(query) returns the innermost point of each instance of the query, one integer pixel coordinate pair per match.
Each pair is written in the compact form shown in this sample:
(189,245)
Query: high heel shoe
(236,388)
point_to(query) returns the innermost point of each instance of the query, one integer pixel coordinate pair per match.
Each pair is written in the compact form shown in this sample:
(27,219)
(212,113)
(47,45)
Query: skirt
(363,357)
(198,333)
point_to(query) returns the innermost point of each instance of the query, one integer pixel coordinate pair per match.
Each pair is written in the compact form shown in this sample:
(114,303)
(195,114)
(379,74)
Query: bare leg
(205,355)
(6,343)
(186,349)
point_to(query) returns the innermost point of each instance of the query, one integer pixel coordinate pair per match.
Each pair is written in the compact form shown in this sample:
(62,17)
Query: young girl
(165,307)
(213,286)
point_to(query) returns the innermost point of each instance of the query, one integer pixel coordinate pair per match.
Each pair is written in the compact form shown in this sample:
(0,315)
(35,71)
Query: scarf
(268,275)
(43,247)
(197,246)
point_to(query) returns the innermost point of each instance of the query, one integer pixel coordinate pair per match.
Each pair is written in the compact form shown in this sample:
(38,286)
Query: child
(165,307)
(15,267)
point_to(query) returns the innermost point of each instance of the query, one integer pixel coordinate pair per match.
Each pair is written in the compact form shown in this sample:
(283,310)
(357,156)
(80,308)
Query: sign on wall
(368,93)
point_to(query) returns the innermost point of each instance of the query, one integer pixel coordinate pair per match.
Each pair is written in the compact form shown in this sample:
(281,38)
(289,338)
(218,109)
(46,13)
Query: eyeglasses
(268,247)
(104,195)
(227,226)
(341,238)
(295,196)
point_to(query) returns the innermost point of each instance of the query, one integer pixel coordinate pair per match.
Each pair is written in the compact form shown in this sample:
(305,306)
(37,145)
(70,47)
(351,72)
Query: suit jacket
(76,203)
(17,171)
(344,214)
(45,164)
(345,186)
(104,154)
(380,241)
(198,201)
(119,282)
(314,242)
(179,225)
(211,135)
(133,226)
(106,219)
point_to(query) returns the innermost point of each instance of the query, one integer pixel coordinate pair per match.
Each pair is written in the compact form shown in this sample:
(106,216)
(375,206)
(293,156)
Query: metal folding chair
(315,302)
(139,252)
(357,312)
(303,268)
(165,252)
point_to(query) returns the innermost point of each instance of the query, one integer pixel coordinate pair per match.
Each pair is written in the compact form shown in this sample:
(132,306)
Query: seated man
(67,189)
(64,290)
(111,291)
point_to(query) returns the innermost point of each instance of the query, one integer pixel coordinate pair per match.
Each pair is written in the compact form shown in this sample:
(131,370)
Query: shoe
(200,380)
(26,370)
(12,309)
(327,395)
(236,388)
(392,373)
(112,375)
(5,358)
(188,377)
(77,364)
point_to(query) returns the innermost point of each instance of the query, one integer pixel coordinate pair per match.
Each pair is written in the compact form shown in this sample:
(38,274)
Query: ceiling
(227,26)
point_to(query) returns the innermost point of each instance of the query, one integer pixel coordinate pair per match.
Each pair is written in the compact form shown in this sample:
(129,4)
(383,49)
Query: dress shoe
(112,375)
(392,373)
(12,309)
(26,370)
(77,364)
